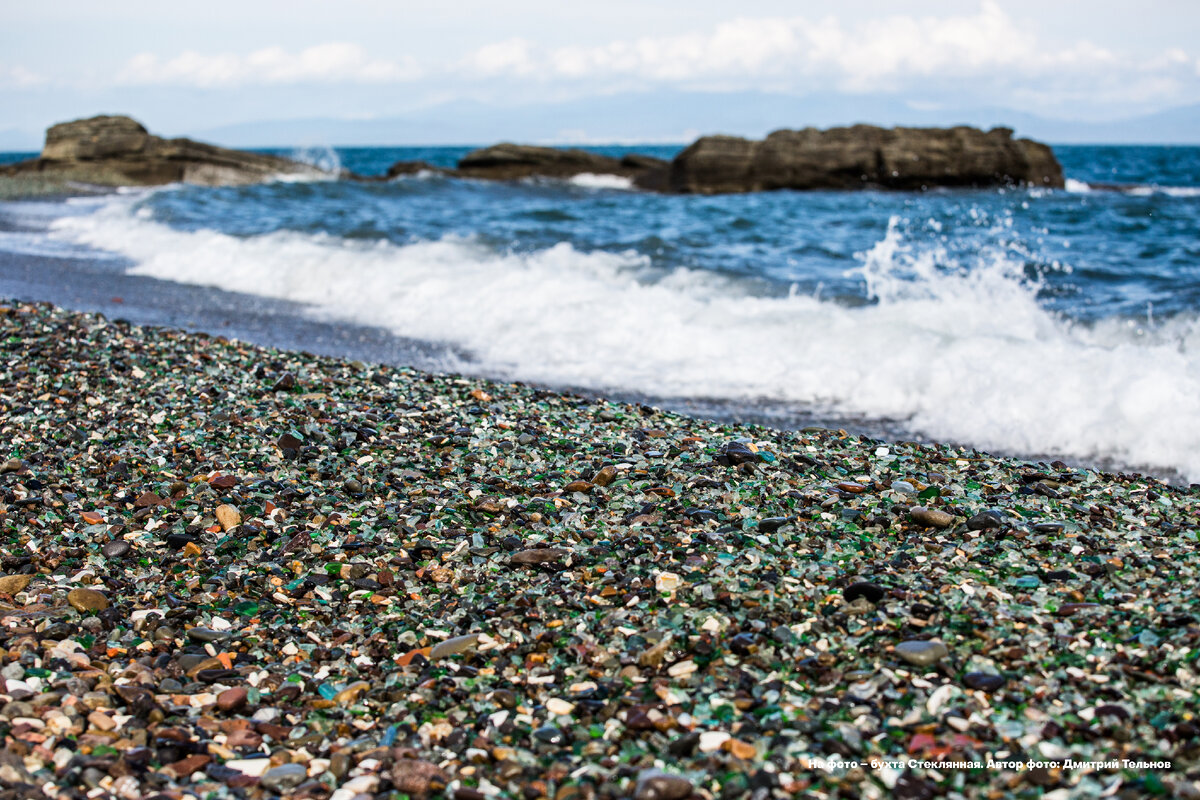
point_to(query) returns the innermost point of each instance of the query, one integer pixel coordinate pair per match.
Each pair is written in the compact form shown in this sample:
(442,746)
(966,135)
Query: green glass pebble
(246,608)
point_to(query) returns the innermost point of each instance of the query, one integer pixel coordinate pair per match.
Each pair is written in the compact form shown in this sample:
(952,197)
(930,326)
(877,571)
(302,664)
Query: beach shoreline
(103,285)
(230,567)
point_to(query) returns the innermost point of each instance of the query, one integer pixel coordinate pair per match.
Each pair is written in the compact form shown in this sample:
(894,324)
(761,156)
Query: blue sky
(192,68)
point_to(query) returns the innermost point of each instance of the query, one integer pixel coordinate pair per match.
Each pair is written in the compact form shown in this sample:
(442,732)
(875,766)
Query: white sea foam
(322,157)
(966,355)
(1169,191)
(1077,187)
(593,181)
(1180,191)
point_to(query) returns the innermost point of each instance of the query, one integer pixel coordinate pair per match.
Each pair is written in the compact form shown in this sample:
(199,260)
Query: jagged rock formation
(119,151)
(863,156)
(858,157)
(511,161)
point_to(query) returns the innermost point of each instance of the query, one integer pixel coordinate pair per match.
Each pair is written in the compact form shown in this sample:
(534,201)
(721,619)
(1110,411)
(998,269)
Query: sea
(1046,324)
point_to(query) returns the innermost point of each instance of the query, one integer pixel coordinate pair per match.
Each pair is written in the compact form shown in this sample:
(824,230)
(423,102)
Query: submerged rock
(506,161)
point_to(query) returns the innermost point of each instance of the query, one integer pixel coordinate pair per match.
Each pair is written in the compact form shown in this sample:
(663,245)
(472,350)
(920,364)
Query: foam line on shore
(964,354)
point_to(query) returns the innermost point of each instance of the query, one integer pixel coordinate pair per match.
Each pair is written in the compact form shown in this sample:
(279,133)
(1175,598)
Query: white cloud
(882,54)
(19,78)
(331,62)
(510,57)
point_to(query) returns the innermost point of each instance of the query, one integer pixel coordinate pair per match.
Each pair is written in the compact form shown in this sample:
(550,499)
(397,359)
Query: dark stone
(289,444)
(984,520)
(116,549)
(742,643)
(506,161)
(872,592)
(910,787)
(412,168)
(178,541)
(984,681)
(735,453)
(685,745)
(207,635)
(863,156)
(549,734)
(772,524)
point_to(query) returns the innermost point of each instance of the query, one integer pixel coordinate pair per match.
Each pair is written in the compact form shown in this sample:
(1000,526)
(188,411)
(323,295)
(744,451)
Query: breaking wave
(965,353)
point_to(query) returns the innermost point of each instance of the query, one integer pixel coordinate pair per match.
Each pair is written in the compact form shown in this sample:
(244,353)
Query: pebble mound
(229,571)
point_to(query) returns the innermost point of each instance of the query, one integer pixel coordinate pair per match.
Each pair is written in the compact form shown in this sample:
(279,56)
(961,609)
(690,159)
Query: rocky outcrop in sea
(863,156)
(119,151)
(858,157)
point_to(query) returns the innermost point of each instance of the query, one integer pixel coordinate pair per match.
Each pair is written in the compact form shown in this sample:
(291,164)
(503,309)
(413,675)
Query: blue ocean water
(1028,321)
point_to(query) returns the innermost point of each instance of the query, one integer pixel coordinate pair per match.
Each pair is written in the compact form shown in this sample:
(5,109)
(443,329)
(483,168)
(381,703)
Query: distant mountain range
(662,117)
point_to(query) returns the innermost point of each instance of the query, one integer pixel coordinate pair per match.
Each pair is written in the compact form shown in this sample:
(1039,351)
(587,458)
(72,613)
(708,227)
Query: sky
(189,68)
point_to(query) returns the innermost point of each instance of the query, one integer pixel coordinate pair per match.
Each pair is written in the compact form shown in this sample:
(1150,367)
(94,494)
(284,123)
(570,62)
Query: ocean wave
(591,180)
(1169,191)
(964,354)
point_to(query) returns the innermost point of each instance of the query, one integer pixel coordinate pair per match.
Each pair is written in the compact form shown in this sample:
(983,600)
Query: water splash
(322,157)
(957,349)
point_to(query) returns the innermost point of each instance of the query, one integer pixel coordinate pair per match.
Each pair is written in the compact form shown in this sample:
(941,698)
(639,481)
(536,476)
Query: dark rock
(207,635)
(983,681)
(910,787)
(412,168)
(735,453)
(685,745)
(289,444)
(772,524)
(549,734)
(742,643)
(984,520)
(116,549)
(1060,575)
(863,156)
(870,591)
(506,161)
(119,151)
